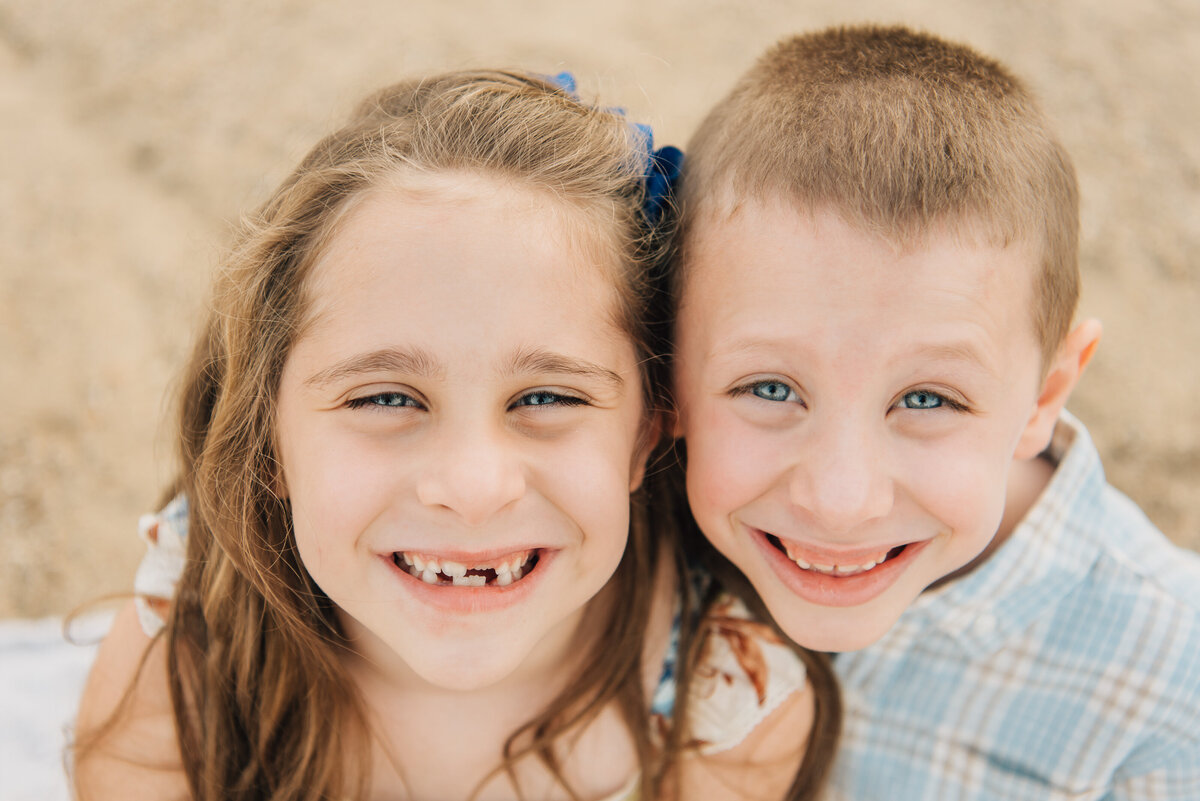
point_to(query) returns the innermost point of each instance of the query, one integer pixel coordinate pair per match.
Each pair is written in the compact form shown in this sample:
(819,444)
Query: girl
(410,433)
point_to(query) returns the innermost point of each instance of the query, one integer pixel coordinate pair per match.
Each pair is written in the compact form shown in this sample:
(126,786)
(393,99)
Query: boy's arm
(762,766)
(127,704)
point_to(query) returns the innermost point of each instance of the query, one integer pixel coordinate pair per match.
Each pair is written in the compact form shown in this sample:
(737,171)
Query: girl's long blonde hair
(264,707)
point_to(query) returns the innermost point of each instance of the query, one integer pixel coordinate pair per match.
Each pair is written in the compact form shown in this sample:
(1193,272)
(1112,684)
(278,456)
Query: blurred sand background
(133,132)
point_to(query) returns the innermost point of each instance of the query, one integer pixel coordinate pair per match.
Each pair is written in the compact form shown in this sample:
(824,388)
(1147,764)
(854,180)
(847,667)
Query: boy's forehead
(775,251)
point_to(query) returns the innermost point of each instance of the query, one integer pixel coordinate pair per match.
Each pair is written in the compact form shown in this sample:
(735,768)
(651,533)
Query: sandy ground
(132,132)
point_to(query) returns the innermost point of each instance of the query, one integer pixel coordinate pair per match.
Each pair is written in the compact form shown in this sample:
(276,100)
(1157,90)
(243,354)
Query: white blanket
(41,676)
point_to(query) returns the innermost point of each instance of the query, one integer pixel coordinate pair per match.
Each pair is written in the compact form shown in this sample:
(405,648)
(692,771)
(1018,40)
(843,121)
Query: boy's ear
(1072,358)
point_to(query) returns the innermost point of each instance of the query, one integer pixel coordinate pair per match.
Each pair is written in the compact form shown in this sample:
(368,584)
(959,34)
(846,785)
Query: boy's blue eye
(546,398)
(772,391)
(921,399)
(386,400)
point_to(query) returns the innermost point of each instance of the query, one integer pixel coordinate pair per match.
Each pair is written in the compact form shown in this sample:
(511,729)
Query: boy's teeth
(469,581)
(832,570)
(429,577)
(504,579)
(454,569)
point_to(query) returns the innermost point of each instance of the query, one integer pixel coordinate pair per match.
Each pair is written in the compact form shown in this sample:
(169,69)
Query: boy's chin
(836,629)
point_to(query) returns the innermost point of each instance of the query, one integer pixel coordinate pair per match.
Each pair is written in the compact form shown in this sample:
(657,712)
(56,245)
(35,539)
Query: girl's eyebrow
(416,362)
(543,361)
(410,362)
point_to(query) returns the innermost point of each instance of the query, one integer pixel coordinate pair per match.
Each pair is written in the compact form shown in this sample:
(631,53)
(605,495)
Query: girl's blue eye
(546,398)
(921,399)
(389,400)
(772,391)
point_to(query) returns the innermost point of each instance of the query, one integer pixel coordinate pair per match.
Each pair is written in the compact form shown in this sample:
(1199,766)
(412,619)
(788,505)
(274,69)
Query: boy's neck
(1026,481)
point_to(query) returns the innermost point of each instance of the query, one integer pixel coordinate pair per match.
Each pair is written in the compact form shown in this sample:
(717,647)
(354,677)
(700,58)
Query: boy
(874,347)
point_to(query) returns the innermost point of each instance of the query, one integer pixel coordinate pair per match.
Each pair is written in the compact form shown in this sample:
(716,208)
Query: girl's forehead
(489,250)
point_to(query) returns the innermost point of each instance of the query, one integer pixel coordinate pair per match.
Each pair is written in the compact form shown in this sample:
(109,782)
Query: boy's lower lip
(464,600)
(834,590)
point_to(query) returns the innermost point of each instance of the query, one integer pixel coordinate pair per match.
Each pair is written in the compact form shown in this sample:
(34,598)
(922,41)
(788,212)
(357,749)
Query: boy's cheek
(728,468)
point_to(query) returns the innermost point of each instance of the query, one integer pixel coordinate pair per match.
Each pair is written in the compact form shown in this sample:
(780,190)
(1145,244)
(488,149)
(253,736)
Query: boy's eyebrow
(411,362)
(955,351)
(963,351)
(543,361)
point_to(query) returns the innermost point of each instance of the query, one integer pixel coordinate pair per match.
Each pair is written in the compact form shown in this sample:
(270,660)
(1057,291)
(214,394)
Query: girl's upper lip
(469,557)
(822,554)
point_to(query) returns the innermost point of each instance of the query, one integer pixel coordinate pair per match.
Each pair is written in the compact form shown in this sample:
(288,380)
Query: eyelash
(748,390)
(560,400)
(943,400)
(409,402)
(373,401)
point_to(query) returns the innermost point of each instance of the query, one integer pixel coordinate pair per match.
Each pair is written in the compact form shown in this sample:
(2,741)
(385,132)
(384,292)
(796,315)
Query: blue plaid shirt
(1066,666)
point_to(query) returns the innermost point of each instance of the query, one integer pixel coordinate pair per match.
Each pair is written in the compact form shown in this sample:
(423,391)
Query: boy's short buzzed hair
(896,131)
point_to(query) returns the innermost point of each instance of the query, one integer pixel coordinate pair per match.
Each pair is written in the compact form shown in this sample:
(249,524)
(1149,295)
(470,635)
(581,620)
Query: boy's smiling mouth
(836,578)
(440,571)
(842,566)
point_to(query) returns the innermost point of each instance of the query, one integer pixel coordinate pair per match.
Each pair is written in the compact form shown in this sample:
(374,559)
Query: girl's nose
(841,479)
(474,474)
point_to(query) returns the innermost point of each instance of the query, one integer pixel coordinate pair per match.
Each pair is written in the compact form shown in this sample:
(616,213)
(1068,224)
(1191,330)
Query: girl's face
(458,426)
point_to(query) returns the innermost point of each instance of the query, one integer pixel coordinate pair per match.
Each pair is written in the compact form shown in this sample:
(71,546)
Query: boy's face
(851,410)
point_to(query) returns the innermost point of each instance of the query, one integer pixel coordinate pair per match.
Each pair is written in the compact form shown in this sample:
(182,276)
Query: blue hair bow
(661,167)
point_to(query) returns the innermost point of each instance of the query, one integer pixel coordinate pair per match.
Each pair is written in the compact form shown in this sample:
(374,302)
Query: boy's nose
(473,474)
(840,479)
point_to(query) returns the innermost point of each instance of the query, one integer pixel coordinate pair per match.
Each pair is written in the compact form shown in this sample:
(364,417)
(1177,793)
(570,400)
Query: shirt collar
(1047,555)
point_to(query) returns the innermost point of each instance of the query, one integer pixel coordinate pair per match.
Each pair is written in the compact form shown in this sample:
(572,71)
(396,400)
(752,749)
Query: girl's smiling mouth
(441,571)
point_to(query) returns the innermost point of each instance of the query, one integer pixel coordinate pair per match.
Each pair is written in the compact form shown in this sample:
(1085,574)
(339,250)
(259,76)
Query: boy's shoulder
(1082,513)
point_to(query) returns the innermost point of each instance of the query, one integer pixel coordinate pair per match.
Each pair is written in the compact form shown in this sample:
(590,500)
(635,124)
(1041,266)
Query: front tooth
(453,569)
(417,562)
(469,581)
(429,576)
(503,579)
(503,569)
(823,568)
(845,570)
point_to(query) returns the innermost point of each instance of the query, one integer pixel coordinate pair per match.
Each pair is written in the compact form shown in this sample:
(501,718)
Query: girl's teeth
(446,572)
